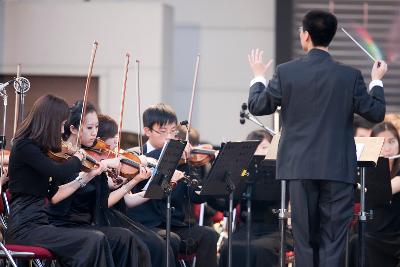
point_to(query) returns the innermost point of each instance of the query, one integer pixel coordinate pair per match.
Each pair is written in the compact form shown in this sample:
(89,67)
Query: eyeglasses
(166,133)
(300,29)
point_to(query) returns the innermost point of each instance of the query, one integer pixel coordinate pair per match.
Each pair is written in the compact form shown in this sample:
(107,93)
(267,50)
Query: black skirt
(153,241)
(72,247)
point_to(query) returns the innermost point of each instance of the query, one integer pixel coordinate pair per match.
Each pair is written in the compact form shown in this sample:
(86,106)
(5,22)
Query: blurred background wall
(52,40)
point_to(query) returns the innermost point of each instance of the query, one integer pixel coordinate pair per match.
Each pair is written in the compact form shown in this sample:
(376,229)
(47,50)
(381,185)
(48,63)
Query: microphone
(4,85)
(22,85)
(242,115)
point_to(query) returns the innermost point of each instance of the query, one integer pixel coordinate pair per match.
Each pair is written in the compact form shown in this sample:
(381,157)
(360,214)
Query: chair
(182,257)
(13,251)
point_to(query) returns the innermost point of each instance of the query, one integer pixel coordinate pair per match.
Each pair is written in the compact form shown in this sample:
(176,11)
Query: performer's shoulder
(346,68)
(289,64)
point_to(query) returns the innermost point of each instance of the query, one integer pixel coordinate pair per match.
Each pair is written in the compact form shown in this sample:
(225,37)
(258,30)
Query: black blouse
(87,206)
(387,217)
(30,169)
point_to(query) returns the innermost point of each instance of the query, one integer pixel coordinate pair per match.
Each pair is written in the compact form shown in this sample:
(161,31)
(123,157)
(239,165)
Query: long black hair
(43,123)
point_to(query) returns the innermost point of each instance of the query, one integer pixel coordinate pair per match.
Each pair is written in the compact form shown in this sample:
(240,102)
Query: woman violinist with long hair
(87,208)
(383,232)
(31,171)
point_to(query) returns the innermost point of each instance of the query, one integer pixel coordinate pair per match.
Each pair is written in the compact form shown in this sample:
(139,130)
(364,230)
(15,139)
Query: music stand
(160,186)
(368,151)
(226,173)
(378,185)
(260,185)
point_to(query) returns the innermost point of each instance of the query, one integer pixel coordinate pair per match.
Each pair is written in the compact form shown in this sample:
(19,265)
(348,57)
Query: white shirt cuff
(375,83)
(260,79)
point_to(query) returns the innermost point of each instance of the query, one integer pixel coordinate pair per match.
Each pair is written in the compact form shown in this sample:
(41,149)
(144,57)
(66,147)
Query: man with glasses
(316,153)
(160,125)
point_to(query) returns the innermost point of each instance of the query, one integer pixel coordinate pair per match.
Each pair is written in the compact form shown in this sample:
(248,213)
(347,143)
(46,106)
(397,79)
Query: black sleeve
(264,100)
(53,185)
(371,106)
(33,156)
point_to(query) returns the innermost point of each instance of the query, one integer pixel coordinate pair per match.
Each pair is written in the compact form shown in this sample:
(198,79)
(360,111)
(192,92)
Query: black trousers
(201,240)
(321,214)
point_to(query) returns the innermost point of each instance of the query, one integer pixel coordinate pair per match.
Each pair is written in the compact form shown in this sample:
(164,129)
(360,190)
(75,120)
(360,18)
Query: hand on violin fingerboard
(177,176)
(144,174)
(186,152)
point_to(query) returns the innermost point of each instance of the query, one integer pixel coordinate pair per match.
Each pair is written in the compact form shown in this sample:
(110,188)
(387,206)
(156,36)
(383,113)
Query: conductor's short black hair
(321,26)
(160,114)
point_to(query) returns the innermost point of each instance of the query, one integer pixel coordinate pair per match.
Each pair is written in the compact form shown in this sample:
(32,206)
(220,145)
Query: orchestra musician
(382,233)
(30,171)
(87,208)
(108,132)
(160,125)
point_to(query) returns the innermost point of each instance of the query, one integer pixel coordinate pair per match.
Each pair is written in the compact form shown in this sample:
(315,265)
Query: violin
(202,155)
(130,163)
(88,163)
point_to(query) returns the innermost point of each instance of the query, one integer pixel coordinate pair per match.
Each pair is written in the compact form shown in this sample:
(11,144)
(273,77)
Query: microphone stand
(246,115)
(21,86)
(3,94)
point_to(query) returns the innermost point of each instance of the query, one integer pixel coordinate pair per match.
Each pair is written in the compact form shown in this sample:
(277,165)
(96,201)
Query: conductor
(317,154)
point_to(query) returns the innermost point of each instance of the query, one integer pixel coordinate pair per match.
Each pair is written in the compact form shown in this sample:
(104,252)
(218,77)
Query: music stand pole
(230,186)
(249,221)
(168,226)
(362,221)
(282,225)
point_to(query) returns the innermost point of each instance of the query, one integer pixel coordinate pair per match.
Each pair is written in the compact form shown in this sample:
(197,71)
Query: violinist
(30,172)
(160,125)
(383,232)
(87,208)
(108,132)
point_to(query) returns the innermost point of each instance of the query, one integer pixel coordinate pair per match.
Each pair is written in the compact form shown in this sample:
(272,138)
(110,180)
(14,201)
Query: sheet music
(148,182)
(359,150)
(154,170)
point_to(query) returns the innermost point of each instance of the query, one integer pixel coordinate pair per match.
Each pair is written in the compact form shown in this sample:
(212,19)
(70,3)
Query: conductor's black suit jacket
(318,97)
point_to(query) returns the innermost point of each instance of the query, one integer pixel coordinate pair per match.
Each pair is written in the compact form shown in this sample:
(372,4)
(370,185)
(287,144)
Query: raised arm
(263,99)
(371,105)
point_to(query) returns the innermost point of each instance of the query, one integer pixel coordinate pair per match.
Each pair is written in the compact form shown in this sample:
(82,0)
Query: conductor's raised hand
(257,65)
(378,70)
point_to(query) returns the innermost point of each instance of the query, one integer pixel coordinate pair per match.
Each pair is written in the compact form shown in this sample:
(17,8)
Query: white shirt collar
(149,147)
